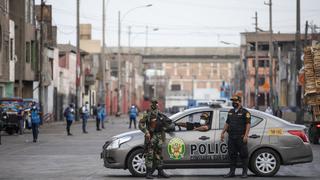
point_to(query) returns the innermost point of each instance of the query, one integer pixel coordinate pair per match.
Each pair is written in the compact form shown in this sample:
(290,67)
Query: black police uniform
(237,122)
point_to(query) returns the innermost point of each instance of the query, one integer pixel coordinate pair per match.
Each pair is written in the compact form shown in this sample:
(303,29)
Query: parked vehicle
(10,114)
(272,142)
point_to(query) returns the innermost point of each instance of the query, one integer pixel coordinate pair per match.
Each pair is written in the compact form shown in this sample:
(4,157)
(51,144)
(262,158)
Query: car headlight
(117,142)
(4,117)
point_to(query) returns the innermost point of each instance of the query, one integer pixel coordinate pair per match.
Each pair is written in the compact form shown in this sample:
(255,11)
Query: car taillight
(318,125)
(300,134)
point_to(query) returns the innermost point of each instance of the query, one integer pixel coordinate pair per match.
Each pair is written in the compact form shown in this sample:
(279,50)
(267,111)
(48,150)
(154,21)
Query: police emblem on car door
(186,143)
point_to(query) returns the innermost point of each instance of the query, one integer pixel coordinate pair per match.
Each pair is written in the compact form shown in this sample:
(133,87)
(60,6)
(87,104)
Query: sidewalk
(109,119)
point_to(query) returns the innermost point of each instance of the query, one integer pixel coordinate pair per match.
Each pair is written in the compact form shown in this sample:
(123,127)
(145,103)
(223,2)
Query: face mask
(235,105)
(202,122)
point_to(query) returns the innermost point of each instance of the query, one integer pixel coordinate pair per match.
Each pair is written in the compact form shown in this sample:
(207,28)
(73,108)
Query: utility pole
(299,113)
(78,62)
(305,42)
(102,87)
(119,66)
(131,75)
(256,64)
(41,58)
(146,43)
(271,95)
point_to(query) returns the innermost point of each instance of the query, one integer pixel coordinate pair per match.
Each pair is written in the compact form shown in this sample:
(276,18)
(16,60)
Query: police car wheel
(136,163)
(265,162)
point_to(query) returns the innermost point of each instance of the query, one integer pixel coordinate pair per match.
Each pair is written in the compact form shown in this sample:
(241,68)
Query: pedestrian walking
(85,116)
(103,115)
(21,120)
(35,121)
(69,114)
(154,124)
(238,127)
(97,115)
(133,113)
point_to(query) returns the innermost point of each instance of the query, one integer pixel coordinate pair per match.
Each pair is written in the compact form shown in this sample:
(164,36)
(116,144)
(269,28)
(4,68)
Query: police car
(272,142)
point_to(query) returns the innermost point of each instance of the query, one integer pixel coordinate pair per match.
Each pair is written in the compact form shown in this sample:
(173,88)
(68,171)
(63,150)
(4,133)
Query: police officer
(202,125)
(154,124)
(237,126)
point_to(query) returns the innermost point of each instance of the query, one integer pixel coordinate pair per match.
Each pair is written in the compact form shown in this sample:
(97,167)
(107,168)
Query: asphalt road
(58,156)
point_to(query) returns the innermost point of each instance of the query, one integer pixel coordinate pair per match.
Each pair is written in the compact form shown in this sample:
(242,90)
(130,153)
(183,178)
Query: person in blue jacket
(35,121)
(102,114)
(133,113)
(69,114)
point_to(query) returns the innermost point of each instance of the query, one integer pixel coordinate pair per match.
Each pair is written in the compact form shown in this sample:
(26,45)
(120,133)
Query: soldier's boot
(162,174)
(231,173)
(244,173)
(149,173)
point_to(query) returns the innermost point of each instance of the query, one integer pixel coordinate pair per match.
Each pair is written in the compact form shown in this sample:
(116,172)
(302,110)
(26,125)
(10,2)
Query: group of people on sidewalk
(99,113)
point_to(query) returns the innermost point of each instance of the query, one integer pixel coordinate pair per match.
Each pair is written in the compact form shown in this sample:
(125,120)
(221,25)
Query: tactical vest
(237,123)
(154,122)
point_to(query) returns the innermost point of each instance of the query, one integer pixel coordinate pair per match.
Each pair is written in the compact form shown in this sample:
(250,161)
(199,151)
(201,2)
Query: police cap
(235,98)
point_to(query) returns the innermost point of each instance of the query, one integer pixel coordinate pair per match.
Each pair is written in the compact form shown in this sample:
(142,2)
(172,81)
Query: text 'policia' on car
(272,142)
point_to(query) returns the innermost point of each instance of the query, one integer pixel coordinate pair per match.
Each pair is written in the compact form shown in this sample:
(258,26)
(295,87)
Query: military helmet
(154,101)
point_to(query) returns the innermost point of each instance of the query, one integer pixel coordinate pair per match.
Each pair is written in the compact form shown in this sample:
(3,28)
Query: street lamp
(147,35)
(118,54)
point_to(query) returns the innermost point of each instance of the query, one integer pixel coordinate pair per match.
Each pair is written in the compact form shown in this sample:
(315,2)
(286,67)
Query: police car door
(255,134)
(188,146)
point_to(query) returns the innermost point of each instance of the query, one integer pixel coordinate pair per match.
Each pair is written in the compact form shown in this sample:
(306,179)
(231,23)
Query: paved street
(58,156)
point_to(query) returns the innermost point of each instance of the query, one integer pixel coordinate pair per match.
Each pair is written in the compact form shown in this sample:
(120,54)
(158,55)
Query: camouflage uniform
(154,123)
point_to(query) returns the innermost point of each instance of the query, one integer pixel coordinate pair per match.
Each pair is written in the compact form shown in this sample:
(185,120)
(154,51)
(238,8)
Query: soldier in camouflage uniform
(154,124)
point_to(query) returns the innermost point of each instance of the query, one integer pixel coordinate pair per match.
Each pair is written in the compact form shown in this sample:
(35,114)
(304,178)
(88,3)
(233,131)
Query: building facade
(180,74)
(284,53)
(26,65)
(7,51)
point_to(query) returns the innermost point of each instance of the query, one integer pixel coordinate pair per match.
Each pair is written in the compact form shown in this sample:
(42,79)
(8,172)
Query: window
(194,118)
(263,47)
(261,81)
(262,63)
(175,87)
(33,54)
(224,114)
(11,49)
(1,91)
(0,37)
(28,54)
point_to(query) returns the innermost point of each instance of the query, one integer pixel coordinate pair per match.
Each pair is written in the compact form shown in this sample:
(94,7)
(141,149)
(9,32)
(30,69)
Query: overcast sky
(180,22)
